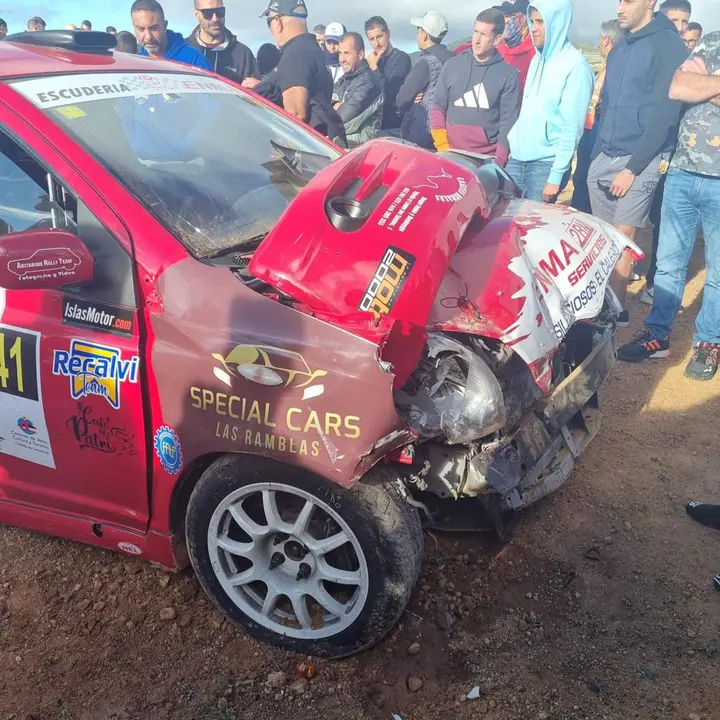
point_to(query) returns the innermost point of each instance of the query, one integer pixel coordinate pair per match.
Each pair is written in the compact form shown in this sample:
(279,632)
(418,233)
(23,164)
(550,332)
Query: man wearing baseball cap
(517,47)
(301,77)
(333,32)
(416,94)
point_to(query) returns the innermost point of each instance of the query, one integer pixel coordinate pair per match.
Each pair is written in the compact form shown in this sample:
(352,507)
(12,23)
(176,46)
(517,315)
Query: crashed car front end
(464,332)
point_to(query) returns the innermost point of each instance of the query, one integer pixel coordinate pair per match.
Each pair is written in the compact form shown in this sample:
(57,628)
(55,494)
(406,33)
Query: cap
(291,8)
(510,7)
(334,31)
(433,23)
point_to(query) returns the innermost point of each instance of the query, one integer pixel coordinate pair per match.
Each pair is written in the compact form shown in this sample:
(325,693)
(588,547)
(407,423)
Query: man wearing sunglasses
(225,53)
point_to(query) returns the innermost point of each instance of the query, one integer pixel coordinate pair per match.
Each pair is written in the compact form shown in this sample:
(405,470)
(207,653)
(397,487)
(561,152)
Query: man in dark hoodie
(151,31)
(417,92)
(638,126)
(225,53)
(477,98)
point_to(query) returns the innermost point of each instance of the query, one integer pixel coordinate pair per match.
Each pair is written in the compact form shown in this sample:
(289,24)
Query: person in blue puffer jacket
(554,107)
(156,41)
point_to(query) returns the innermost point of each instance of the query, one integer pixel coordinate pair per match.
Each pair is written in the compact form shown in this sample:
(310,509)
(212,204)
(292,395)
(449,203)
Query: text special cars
(222,339)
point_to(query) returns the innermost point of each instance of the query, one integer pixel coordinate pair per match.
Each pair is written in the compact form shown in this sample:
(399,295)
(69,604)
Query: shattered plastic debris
(474,694)
(396,717)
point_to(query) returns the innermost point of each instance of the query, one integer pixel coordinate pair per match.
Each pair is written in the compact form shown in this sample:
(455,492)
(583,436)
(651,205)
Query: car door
(72,424)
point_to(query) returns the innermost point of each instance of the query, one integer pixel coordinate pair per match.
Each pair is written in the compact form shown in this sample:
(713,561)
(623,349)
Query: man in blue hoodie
(557,95)
(151,30)
(638,126)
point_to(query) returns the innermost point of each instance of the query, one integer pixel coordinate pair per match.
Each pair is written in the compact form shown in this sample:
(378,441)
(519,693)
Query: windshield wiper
(237,255)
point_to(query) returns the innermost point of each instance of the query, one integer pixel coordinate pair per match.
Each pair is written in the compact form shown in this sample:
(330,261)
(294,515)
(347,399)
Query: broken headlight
(452,393)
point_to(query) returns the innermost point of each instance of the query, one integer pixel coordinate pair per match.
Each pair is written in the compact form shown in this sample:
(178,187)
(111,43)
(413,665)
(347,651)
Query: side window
(32,198)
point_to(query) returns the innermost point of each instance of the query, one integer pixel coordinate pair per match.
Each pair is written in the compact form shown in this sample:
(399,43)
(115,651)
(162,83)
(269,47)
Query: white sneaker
(647,296)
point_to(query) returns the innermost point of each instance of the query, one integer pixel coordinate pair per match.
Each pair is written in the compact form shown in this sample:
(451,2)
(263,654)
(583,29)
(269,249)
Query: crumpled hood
(558,17)
(370,238)
(390,237)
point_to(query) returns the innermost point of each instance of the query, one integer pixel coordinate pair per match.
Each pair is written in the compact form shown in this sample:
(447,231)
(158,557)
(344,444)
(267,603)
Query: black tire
(386,526)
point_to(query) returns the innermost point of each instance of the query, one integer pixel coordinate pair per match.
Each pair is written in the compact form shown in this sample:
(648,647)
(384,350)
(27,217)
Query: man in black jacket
(225,53)
(638,126)
(391,66)
(358,96)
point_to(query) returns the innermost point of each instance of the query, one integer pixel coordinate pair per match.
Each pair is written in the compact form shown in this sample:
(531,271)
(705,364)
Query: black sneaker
(644,347)
(704,363)
(623,319)
(705,514)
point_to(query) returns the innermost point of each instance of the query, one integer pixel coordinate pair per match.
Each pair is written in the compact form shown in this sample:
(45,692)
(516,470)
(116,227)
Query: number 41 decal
(18,363)
(15,354)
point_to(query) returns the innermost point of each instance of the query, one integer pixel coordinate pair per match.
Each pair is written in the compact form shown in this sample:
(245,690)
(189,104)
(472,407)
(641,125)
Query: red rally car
(224,341)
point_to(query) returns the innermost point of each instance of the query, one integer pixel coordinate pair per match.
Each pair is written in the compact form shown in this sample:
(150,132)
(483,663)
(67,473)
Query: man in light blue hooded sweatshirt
(557,95)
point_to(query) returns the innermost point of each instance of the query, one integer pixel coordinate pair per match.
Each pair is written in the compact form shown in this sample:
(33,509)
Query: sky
(243,15)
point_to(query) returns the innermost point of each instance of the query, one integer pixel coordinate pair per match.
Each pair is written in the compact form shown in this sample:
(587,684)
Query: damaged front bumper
(538,457)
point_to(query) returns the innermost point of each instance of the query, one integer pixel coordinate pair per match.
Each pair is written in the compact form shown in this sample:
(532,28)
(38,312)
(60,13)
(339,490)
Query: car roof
(20,60)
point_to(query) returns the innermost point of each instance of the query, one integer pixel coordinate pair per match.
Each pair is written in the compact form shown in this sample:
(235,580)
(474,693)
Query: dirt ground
(601,606)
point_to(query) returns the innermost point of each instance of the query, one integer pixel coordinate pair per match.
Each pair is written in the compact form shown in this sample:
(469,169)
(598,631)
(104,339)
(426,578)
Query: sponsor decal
(564,265)
(263,426)
(23,428)
(168,450)
(98,316)
(95,369)
(97,432)
(46,263)
(384,288)
(26,426)
(269,366)
(60,90)
(580,232)
(449,187)
(402,210)
(129,548)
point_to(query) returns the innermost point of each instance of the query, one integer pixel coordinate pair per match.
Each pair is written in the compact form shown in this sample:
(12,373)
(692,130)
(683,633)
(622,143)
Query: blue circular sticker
(167,448)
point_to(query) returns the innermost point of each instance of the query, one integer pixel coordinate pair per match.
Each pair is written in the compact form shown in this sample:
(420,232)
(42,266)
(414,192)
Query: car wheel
(300,562)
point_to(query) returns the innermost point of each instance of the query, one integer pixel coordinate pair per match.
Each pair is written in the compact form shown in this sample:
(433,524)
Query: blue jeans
(531,177)
(689,200)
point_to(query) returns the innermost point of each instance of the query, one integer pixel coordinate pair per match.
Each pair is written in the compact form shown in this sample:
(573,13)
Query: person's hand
(715,101)
(419,97)
(250,82)
(373,59)
(695,65)
(550,192)
(622,183)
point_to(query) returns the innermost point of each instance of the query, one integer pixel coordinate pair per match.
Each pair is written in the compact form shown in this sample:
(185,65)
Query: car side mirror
(43,260)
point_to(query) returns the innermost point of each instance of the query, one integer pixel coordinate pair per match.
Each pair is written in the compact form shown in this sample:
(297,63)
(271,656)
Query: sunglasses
(270,19)
(208,14)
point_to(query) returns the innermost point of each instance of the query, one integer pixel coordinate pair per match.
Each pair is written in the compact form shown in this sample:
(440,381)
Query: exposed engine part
(452,394)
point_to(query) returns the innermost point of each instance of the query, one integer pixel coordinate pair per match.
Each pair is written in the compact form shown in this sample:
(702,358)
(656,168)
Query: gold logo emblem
(269,366)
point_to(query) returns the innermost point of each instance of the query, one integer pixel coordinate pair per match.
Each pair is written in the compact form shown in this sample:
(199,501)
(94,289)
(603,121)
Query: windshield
(215,166)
